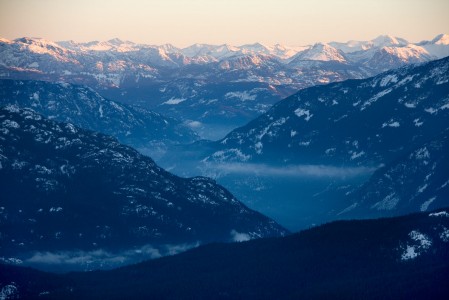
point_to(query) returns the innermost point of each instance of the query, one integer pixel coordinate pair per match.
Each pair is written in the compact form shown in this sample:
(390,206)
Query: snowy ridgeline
(203,53)
(88,59)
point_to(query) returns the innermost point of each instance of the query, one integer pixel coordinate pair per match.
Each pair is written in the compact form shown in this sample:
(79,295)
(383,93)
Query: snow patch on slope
(240,237)
(388,203)
(420,243)
(174,101)
(243,96)
(303,112)
(439,214)
(426,204)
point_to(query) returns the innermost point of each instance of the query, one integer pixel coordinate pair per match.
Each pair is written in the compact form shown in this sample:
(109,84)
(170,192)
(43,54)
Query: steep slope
(407,257)
(87,109)
(384,58)
(360,123)
(45,54)
(417,181)
(75,197)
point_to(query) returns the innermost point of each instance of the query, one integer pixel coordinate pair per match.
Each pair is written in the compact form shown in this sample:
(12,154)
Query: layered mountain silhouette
(81,198)
(357,122)
(394,123)
(214,83)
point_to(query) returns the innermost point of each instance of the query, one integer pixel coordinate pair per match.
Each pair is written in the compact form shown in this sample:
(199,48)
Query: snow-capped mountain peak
(69,44)
(196,50)
(379,42)
(388,40)
(34,41)
(210,51)
(286,52)
(321,52)
(405,53)
(438,47)
(117,42)
(169,48)
(98,46)
(256,48)
(351,46)
(115,45)
(224,51)
(441,39)
(39,45)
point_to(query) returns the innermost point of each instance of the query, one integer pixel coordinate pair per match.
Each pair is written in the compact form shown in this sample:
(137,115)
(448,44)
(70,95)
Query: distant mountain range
(405,257)
(73,198)
(228,57)
(213,83)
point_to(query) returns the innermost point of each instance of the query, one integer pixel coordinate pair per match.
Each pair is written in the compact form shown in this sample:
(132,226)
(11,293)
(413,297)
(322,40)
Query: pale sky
(236,22)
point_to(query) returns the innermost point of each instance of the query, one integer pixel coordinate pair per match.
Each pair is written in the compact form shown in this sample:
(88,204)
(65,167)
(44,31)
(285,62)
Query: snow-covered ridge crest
(113,63)
(321,52)
(317,51)
(407,52)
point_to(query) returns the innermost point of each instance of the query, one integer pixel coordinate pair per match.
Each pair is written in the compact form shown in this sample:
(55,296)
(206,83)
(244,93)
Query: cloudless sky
(237,22)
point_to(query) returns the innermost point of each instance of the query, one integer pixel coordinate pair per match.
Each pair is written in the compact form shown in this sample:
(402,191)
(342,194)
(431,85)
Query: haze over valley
(246,149)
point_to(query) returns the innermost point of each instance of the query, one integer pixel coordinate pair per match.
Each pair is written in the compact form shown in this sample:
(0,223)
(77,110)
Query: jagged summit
(441,39)
(169,48)
(439,46)
(39,42)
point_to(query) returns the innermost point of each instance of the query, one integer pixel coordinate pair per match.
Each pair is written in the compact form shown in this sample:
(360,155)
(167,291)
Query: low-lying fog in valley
(296,196)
